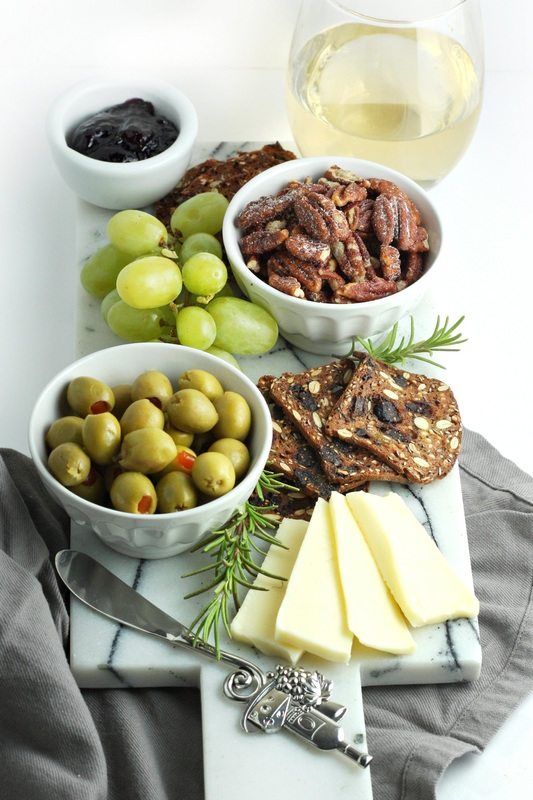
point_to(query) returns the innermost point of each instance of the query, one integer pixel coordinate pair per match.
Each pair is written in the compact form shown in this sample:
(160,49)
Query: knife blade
(101,590)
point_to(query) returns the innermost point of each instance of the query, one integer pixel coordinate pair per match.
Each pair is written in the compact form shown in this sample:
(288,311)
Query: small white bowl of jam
(122,144)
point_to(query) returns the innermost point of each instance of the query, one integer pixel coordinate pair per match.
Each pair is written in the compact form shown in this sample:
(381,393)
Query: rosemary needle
(231,550)
(392,351)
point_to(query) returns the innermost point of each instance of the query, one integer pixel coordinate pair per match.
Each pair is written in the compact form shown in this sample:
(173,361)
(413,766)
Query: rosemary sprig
(231,550)
(392,351)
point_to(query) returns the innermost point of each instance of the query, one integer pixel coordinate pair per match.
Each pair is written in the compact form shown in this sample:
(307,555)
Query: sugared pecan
(414,263)
(305,272)
(353,257)
(389,258)
(279,279)
(335,220)
(420,241)
(407,224)
(368,290)
(384,218)
(349,193)
(345,176)
(256,213)
(263,241)
(311,219)
(308,249)
(364,219)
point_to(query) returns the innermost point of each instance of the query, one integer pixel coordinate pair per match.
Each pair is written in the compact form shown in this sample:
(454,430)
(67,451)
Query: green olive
(92,489)
(64,429)
(236,451)
(175,492)
(141,414)
(153,385)
(183,462)
(179,437)
(89,396)
(101,436)
(122,392)
(146,450)
(69,464)
(213,474)
(134,493)
(191,411)
(235,417)
(203,381)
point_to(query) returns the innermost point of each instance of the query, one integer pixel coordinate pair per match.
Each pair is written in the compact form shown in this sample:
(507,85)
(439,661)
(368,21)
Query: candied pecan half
(307,249)
(382,186)
(407,224)
(414,266)
(348,193)
(420,242)
(279,279)
(384,218)
(389,258)
(311,219)
(263,241)
(257,212)
(336,173)
(364,218)
(305,272)
(368,290)
(353,257)
(336,222)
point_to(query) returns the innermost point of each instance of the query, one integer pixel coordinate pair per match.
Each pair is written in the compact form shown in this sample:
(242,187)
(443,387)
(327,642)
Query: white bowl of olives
(151,445)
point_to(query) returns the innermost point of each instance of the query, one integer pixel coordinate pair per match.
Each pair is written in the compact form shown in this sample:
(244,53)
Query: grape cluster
(174,286)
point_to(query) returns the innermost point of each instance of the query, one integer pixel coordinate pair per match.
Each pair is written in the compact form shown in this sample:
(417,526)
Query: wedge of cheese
(373,615)
(255,621)
(419,577)
(312,615)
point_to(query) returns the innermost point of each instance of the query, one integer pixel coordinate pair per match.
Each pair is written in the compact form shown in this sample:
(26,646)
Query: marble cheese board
(105,655)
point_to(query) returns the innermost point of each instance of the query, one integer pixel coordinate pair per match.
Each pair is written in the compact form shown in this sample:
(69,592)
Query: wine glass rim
(344,5)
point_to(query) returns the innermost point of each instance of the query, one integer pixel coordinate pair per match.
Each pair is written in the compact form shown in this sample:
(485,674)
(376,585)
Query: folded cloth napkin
(59,742)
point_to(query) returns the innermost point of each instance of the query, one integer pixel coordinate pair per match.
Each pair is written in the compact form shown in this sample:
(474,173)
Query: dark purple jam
(129,131)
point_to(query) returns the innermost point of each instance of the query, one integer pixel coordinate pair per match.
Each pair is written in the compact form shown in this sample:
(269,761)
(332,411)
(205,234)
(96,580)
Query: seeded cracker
(410,421)
(307,400)
(290,454)
(224,176)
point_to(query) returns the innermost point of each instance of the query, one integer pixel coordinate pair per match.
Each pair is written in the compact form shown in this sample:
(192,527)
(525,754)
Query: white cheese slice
(312,615)
(373,615)
(255,621)
(419,577)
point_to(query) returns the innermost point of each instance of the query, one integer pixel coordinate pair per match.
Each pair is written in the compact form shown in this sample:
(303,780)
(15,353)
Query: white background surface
(230,58)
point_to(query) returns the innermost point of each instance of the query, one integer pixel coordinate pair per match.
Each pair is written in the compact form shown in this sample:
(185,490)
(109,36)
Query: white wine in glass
(405,93)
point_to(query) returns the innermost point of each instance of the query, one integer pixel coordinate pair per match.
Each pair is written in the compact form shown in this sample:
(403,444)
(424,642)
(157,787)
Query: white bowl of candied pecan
(333,247)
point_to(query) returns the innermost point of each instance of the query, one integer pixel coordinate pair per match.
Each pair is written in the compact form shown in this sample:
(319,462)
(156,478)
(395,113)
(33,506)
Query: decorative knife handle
(298,700)
(291,698)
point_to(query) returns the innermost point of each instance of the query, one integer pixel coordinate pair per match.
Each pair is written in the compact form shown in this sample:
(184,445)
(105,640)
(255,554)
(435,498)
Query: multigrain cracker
(292,455)
(409,421)
(307,400)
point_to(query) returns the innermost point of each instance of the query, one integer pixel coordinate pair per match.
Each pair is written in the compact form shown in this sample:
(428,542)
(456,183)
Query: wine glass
(404,91)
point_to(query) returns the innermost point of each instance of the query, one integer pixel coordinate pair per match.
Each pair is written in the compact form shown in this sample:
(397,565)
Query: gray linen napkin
(59,742)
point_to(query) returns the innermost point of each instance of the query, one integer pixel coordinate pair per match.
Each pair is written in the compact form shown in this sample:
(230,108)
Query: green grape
(200,243)
(134,324)
(195,327)
(167,315)
(149,282)
(224,355)
(204,274)
(99,273)
(202,213)
(108,301)
(242,327)
(136,232)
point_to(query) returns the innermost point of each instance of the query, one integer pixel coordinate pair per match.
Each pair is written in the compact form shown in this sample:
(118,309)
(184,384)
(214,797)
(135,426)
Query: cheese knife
(287,698)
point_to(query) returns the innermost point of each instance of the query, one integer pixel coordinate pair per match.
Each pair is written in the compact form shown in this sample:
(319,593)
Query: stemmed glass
(399,83)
